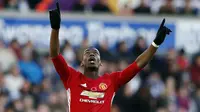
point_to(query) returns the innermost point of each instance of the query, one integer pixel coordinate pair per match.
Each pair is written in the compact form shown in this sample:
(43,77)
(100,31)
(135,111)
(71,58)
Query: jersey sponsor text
(91,101)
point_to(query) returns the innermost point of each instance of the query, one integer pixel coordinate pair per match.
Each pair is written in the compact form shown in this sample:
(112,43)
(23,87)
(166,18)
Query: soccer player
(91,92)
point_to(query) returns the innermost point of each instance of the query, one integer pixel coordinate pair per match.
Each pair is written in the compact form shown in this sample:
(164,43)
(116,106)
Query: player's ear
(82,64)
(101,63)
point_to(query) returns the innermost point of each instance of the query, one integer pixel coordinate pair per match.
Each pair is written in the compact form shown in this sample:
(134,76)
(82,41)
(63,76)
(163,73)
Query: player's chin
(92,66)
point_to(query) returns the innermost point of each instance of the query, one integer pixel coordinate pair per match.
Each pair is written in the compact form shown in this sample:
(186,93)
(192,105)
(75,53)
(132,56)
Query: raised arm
(128,73)
(147,55)
(59,62)
(55,25)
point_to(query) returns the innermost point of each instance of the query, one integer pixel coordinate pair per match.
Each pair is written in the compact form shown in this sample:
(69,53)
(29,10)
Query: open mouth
(91,59)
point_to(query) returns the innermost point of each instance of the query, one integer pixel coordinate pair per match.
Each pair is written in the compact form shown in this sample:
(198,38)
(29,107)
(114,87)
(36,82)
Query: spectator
(26,89)
(168,8)
(15,46)
(115,108)
(183,99)
(172,68)
(3,101)
(161,104)
(122,64)
(69,53)
(29,68)
(35,93)
(104,51)
(132,4)
(43,5)
(170,89)
(162,110)
(142,101)
(54,103)
(28,104)
(11,4)
(14,82)
(50,73)
(124,97)
(145,73)
(123,53)
(101,6)
(9,109)
(156,85)
(18,106)
(132,86)
(182,60)
(143,8)
(63,99)
(1,4)
(188,9)
(124,9)
(45,90)
(43,108)
(80,51)
(112,67)
(29,91)
(3,89)
(195,71)
(139,47)
(3,94)
(48,69)
(155,5)
(197,100)
(113,6)
(33,3)
(104,68)
(81,6)
(7,58)
(23,6)
(30,50)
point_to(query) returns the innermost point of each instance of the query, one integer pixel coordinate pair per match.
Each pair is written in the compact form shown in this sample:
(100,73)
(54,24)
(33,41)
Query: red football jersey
(91,95)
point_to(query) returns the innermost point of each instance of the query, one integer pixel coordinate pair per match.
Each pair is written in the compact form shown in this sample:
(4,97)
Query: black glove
(55,17)
(161,34)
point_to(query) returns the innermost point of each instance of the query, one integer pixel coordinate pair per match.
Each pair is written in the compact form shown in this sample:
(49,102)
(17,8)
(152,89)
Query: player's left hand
(161,34)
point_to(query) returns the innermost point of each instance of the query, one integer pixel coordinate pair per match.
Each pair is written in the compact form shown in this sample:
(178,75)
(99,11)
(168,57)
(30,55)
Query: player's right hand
(55,18)
(161,34)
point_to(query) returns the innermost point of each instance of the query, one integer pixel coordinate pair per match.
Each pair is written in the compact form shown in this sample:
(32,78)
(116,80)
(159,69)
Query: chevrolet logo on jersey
(91,101)
(93,95)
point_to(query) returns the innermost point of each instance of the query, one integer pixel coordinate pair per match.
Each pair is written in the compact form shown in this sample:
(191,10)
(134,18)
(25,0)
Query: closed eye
(87,53)
(96,53)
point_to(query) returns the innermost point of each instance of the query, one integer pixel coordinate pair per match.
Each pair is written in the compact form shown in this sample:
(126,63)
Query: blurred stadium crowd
(29,82)
(120,7)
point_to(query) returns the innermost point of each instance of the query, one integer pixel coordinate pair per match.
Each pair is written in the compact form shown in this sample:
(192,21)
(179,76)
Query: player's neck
(91,74)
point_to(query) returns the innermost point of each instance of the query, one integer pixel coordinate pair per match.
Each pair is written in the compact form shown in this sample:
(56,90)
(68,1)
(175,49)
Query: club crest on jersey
(103,86)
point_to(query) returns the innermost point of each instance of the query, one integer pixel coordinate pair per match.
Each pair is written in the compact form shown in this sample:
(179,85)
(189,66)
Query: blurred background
(121,30)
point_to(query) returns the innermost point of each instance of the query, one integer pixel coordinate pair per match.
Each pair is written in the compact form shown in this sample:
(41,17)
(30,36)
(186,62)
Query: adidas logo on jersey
(84,85)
